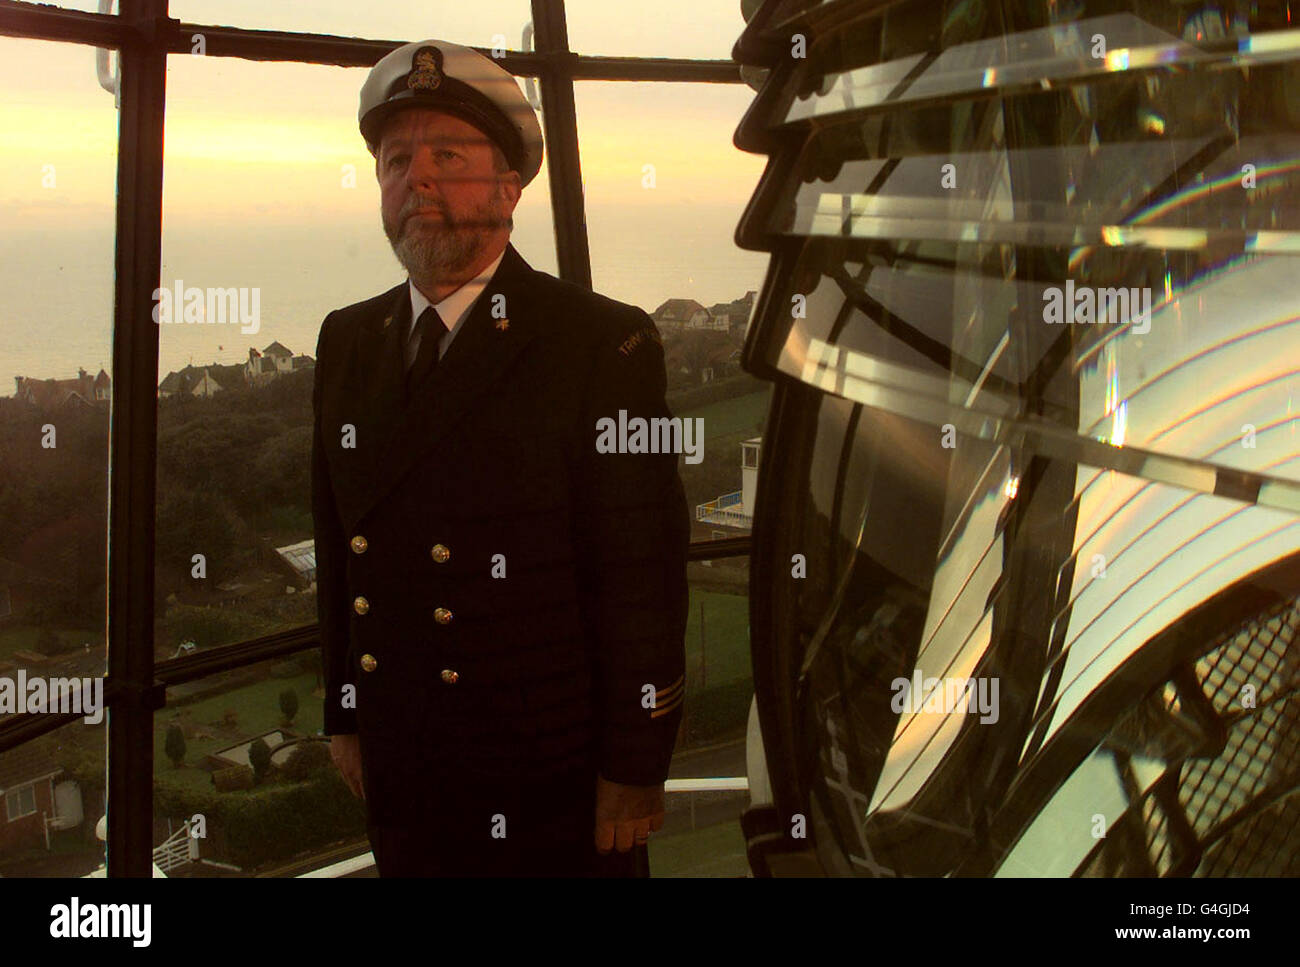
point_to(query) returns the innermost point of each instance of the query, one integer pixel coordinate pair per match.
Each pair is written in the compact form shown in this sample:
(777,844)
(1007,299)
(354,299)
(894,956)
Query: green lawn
(717,850)
(726,639)
(23,638)
(258,708)
(732,416)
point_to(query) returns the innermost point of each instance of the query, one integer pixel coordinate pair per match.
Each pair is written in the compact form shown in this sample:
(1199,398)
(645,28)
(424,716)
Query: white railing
(177,850)
(733,518)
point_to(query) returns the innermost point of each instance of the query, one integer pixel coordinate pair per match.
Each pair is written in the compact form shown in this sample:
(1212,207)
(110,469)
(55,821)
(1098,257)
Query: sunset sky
(256,160)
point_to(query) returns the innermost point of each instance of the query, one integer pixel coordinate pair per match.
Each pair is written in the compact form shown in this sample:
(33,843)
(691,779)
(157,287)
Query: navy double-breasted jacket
(496,597)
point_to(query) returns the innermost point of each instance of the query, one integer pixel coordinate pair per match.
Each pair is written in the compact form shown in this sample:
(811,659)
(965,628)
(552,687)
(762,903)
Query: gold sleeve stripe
(664,710)
(673,687)
(665,698)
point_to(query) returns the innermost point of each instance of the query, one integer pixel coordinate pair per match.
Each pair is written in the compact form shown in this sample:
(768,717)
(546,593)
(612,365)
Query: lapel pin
(387,320)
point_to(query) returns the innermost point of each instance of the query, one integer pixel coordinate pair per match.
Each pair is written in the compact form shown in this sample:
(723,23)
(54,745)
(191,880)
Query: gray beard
(445,255)
(432,259)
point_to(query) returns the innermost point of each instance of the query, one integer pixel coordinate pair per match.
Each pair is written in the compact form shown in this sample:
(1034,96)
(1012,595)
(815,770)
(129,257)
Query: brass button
(442,616)
(450,677)
(440,553)
(359,545)
(368,663)
(360,605)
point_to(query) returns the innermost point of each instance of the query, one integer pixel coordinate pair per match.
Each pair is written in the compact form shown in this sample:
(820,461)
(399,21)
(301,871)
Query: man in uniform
(502,604)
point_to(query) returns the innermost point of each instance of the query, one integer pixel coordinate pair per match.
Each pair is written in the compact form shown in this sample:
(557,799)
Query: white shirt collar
(456,306)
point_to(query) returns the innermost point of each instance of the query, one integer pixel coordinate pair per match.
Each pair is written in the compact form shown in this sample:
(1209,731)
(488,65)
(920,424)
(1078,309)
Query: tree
(259,757)
(175,747)
(289,705)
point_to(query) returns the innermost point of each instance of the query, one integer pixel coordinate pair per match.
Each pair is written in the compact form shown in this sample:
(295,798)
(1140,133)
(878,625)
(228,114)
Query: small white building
(736,509)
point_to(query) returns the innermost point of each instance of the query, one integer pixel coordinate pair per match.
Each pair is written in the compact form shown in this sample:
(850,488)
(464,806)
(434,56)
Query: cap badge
(426,70)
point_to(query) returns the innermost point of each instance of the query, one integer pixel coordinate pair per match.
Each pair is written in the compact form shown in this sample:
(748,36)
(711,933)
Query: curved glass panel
(1032,325)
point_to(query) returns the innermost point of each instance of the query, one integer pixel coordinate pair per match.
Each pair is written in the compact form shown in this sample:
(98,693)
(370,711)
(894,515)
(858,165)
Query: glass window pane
(487,23)
(56,318)
(701,834)
(664,189)
(270,221)
(673,28)
(53,797)
(206,764)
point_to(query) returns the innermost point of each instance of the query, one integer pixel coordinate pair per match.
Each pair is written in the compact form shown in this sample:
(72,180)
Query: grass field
(717,850)
(23,638)
(258,709)
(724,656)
(734,416)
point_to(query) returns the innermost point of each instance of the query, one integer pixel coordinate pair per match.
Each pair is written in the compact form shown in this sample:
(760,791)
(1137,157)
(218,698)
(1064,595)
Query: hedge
(271,824)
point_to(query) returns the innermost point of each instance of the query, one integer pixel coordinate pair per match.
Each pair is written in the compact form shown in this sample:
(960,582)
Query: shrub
(276,822)
(259,757)
(307,758)
(288,704)
(236,777)
(175,747)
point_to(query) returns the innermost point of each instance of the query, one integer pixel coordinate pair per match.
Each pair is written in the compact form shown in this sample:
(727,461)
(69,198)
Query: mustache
(417,203)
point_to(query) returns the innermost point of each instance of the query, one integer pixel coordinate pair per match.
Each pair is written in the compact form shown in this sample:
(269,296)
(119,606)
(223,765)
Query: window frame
(145,36)
(17,792)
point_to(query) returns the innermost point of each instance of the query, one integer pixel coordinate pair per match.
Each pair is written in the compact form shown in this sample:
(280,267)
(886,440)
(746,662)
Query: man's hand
(345,750)
(626,814)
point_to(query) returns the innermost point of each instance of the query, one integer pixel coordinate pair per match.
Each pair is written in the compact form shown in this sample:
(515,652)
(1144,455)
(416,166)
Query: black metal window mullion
(133,442)
(560,130)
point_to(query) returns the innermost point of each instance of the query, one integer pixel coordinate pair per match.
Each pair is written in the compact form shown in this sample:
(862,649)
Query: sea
(56,280)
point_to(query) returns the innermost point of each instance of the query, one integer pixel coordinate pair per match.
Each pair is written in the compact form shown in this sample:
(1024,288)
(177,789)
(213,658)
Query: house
(700,355)
(720,361)
(681,314)
(33,803)
(49,394)
(190,381)
(720,316)
(275,360)
(201,381)
(228,377)
(299,560)
(733,316)
(735,511)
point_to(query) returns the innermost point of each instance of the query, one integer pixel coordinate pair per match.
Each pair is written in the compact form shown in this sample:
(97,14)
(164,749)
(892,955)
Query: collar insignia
(503,324)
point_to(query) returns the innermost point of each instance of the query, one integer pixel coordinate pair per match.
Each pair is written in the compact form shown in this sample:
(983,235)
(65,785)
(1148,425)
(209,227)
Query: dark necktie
(431,331)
